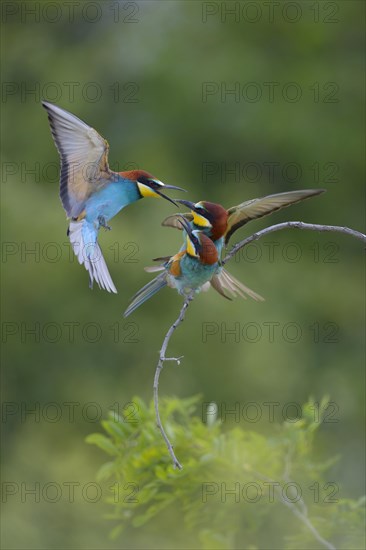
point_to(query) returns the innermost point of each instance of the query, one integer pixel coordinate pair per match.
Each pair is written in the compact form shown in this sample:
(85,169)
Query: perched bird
(220,224)
(191,270)
(90,192)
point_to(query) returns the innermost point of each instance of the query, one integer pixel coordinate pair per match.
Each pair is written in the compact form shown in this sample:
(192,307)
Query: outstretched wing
(224,281)
(257,208)
(84,158)
(174,221)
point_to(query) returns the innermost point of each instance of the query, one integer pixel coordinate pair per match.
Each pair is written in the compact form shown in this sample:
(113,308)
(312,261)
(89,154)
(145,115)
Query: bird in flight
(91,193)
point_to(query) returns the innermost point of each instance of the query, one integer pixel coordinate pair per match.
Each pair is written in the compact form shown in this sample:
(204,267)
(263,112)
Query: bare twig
(292,225)
(304,518)
(159,367)
(298,508)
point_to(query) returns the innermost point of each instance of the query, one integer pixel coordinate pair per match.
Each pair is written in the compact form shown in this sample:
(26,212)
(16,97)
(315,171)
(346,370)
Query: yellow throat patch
(200,221)
(146,191)
(191,249)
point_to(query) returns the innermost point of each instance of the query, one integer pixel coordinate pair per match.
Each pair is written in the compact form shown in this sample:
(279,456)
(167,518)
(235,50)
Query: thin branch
(300,511)
(159,367)
(293,225)
(304,518)
(188,299)
(286,477)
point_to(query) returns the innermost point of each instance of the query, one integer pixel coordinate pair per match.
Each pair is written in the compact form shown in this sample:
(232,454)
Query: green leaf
(115,429)
(102,442)
(116,532)
(105,471)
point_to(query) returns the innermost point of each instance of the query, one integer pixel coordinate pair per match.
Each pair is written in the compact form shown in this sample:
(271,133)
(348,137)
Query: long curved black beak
(174,187)
(159,192)
(185,224)
(190,204)
(165,197)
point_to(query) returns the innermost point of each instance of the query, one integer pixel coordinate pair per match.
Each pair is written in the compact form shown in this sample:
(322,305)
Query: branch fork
(159,367)
(189,298)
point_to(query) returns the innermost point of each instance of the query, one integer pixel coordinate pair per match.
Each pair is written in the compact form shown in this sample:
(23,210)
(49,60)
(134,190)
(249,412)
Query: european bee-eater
(219,224)
(90,192)
(191,270)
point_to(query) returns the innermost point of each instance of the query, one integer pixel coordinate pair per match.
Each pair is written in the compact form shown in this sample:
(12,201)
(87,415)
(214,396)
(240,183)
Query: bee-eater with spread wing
(191,270)
(90,192)
(219,224)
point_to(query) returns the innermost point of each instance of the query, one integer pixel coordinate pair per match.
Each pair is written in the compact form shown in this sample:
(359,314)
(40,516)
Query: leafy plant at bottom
(231,491)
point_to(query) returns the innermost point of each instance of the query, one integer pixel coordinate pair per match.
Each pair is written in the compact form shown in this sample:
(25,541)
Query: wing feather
(84,158)
(224,281)
(173,221)
(257,208)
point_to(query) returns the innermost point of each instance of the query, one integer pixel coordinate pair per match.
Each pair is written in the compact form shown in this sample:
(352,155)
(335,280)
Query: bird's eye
(155,184)
(143,180)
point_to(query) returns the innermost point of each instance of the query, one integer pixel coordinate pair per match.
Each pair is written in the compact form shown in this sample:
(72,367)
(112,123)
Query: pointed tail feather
(154,268)
(225,281)
(83,238)
(146,292)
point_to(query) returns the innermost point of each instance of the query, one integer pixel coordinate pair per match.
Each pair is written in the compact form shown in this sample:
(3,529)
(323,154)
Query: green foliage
(237,489)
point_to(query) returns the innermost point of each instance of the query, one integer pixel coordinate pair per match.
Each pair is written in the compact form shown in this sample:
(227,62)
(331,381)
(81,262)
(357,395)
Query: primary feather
(224,281)
(257,208)
(84,158)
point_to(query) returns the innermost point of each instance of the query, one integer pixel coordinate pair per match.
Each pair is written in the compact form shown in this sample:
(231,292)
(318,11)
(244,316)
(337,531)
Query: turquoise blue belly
(194,274)
(111,199)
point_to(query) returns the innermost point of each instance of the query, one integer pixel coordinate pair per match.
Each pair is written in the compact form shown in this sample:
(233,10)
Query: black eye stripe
(144,180)
(205,213)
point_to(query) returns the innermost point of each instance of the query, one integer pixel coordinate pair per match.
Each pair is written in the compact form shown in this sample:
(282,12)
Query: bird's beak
(194,245)
(164,186)
(158,192)
(174,187)
(190,204)
(186,225)
(198,217)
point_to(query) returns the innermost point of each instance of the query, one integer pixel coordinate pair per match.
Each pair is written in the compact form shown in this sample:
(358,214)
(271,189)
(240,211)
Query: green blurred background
(138,73)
